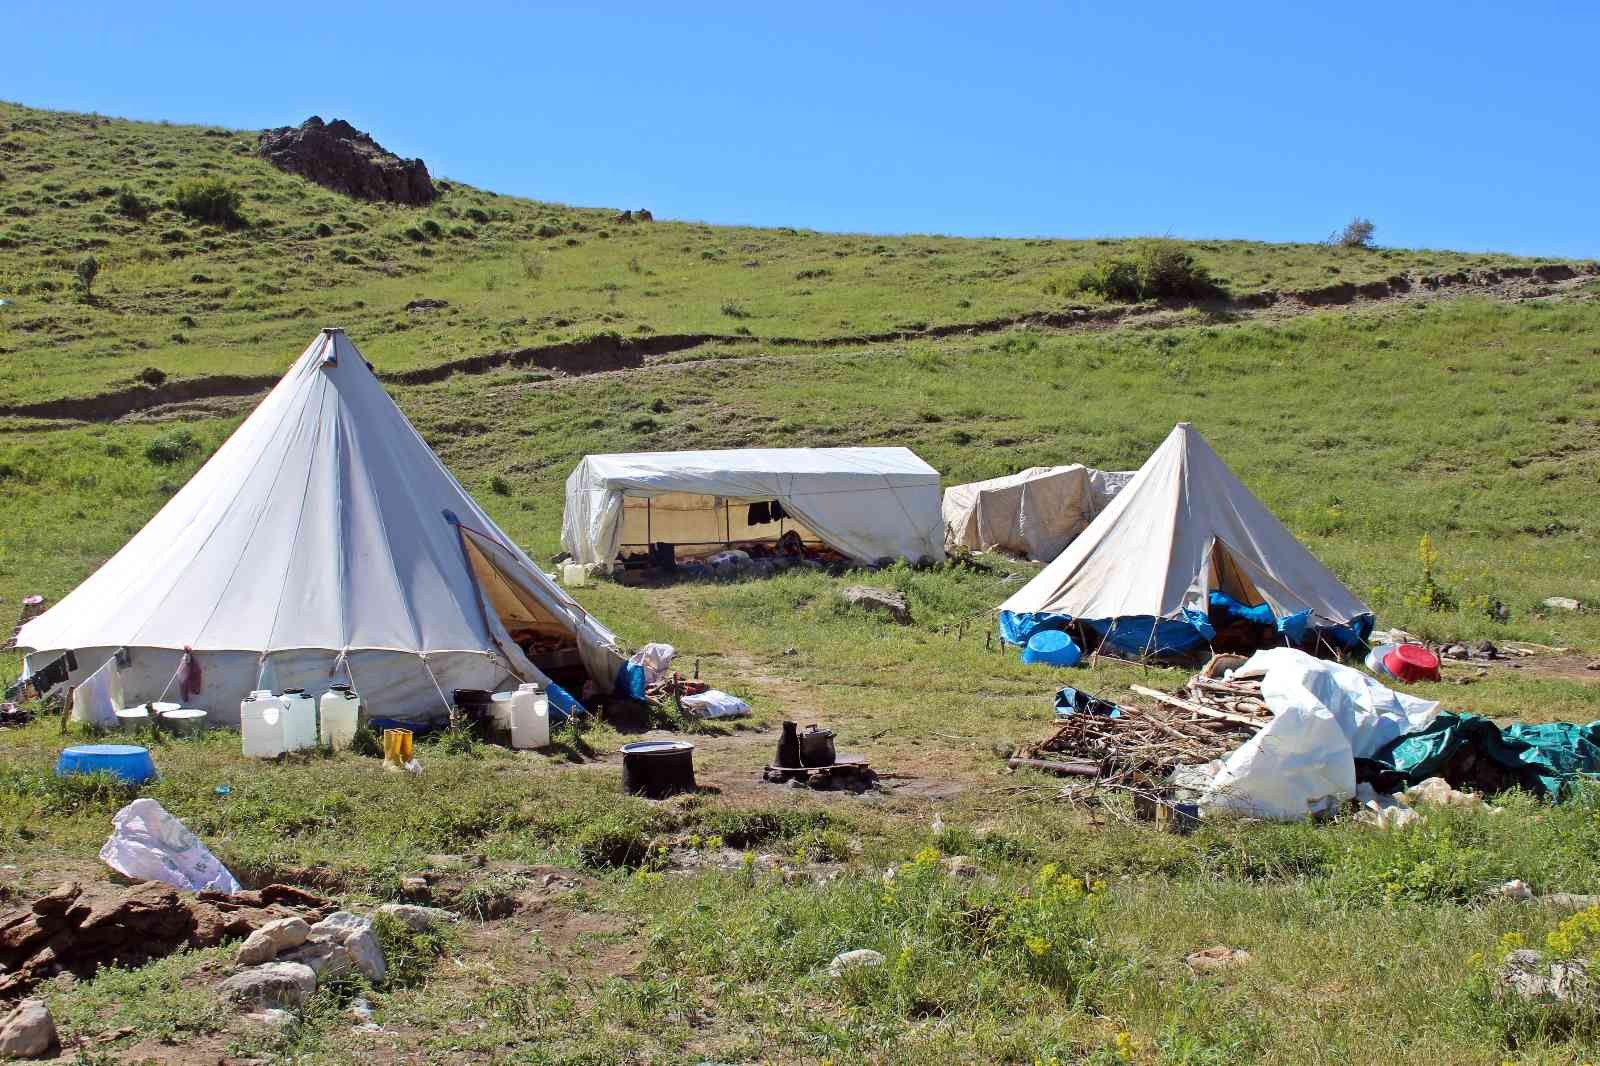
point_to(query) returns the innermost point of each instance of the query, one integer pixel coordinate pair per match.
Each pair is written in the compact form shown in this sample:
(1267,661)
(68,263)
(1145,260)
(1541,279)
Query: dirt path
(226,394)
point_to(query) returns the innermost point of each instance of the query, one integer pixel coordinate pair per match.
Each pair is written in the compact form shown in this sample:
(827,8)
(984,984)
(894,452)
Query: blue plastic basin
(1052,648)
(128,761)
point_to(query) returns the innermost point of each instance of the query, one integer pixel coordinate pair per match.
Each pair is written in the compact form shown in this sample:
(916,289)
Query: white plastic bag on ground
(149,843)
(715,704)
(1325,716)
(656,660)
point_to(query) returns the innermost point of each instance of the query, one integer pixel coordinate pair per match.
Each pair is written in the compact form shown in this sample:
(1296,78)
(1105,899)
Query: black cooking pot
(657,768)
(816,747)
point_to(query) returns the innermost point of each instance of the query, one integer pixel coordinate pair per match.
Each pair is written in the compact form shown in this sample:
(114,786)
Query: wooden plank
(1196,708)
(1072,769)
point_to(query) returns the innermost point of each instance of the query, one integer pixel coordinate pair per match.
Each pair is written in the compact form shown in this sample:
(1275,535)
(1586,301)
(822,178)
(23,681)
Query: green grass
(1475,423)
(196,300)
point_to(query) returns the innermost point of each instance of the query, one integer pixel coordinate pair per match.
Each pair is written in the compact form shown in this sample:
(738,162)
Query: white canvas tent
(1183,528)
(867,503)
(1034,513)
(323,541)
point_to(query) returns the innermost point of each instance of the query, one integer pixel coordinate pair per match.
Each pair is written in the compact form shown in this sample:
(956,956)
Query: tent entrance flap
(700,524)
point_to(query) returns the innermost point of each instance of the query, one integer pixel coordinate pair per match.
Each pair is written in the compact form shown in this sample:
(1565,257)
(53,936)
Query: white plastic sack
(715,704)
(149,843)
(1325,716)
(656,660)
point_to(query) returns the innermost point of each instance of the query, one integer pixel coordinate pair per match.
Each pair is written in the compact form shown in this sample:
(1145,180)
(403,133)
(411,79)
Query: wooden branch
(1196,708)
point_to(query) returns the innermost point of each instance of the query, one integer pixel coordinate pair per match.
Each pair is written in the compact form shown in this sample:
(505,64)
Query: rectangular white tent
(1034,513)
(869,504)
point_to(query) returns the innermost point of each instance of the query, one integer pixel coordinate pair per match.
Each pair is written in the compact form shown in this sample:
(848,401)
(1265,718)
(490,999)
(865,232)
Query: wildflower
(1123,1044)
(926,857)
(1037,946)
(694,840)
(713,841)
(1047,874)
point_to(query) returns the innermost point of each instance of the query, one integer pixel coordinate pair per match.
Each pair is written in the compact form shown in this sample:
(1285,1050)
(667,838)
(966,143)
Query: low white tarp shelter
(324,541)
(1034,513)
(867,503)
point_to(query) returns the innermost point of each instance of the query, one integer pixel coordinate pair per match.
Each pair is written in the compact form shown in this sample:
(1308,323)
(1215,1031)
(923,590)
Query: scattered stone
(849,960)
(355,934)
(1525,974)
(271,1018)
(1455,651)
(323,957)
(272,984)
(416,306)
(340,157)
(961,866)
(1572,901)
(1594,665)
(360,1009)
(1563,603)
(28,1032)
(881,600)
(1216,959)
(1518,890)
(272,939)
(415,918)
(414,886)
(451,862)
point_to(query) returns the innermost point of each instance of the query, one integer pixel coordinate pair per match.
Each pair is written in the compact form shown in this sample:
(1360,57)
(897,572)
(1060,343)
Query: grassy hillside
(194,300)
(700,929)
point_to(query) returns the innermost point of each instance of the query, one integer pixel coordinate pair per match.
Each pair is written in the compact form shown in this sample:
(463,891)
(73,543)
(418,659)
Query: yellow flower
(1124,1046)
(1037,946)
(1047,874)
(926,857)
(713,842)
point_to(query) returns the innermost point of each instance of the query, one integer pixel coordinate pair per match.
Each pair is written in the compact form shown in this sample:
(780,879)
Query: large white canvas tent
(323,541)
(867,503)
(1034,513)
(1183,536)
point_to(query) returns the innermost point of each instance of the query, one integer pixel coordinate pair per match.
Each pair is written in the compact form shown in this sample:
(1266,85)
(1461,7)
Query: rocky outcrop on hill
(340,157)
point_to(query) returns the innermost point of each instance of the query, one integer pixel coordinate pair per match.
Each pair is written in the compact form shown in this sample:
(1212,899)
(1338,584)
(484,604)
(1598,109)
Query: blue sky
(1465,124)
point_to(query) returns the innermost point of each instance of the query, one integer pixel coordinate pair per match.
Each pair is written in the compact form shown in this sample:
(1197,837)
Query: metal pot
(657,768)
(816,747)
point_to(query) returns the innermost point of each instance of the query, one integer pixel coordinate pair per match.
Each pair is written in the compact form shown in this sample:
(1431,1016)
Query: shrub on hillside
(210,200)
(170,447)
(129,205)
(87,270)
(1357,233)
(1158,270)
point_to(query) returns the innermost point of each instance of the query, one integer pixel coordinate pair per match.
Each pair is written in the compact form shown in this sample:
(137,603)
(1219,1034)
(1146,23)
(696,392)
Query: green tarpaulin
(1470,751)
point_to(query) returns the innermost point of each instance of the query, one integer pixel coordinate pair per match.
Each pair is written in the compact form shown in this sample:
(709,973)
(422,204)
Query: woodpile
(1206,719)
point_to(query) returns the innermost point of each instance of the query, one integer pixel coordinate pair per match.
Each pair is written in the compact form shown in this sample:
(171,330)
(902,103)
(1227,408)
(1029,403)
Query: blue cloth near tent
(1138,637)
(631,681)
(1259,614)
(1071,701)
(1543,759)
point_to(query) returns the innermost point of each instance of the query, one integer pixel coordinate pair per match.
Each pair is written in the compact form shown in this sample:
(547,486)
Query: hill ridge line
(610,352)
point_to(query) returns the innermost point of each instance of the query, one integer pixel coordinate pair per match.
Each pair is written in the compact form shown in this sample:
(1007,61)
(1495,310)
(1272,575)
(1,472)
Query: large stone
(1563,603)
(340,157)
(883,601)
(1216,959)
(273,984)
(1526,975)
(355,934)
(325,958)
(28,1032)
(850,960)
(416,918)
(272,940)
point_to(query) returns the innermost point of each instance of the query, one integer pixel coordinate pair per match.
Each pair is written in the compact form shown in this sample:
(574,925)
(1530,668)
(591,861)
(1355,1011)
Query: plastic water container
(300,719)
(127,761)
(574,575)
(1052,648)
(500,710)
(530,717)
(339,713)
(183,721)
(261,722)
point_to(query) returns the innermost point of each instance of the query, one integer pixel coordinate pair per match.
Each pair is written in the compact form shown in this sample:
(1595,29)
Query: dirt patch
(1550,667)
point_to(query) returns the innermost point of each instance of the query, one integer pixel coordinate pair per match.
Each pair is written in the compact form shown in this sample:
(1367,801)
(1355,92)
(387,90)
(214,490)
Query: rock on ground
(1524,974)
(882,601)
(355,934)
(1217,959)
(28,1032)
(416,918)
(849,960)
(340,157)
(1563,603)
(272,984)
(271,940)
